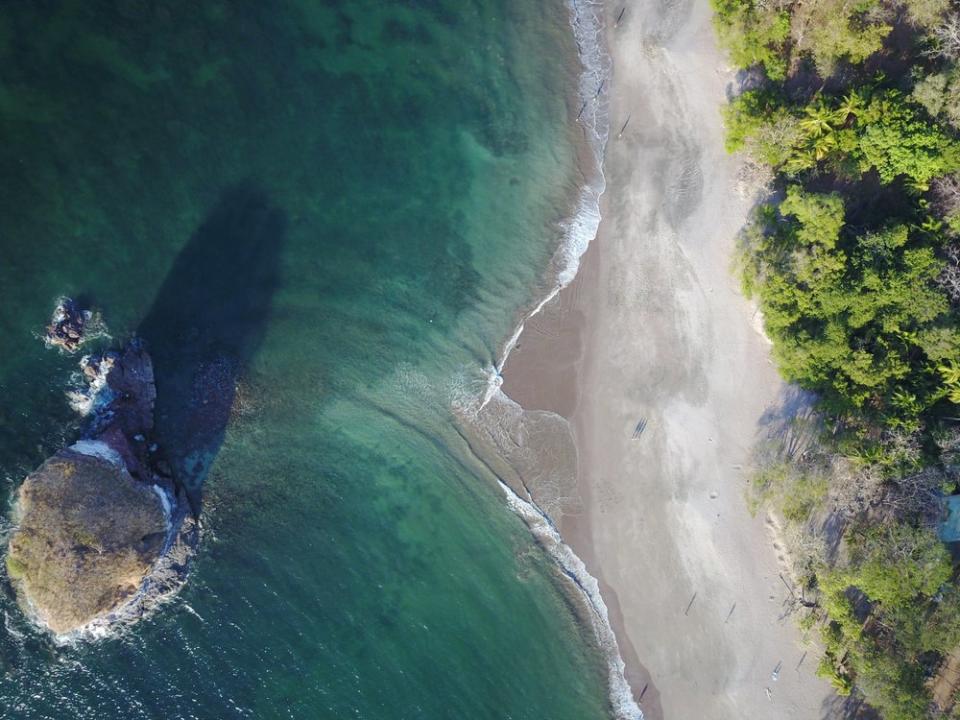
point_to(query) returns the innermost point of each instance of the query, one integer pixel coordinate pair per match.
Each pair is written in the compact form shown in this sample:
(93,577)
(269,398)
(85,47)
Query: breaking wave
(485,414)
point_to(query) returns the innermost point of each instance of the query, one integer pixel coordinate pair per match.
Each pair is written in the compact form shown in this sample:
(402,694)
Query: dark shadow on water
(205,325)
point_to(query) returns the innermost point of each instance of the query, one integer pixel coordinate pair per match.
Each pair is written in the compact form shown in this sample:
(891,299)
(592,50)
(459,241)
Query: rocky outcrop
(88,535)
(95,522)
(66,328)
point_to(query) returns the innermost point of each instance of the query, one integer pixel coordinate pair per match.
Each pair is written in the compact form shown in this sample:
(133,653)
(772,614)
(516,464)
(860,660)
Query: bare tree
(946,194)
(754,179)
(807,550)
(949,444)
(917,496)
(949,278)
(854,488)
(903,446)
(946,199)
(947,36)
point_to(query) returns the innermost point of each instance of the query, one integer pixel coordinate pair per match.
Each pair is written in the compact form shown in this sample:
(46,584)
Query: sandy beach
(654,358)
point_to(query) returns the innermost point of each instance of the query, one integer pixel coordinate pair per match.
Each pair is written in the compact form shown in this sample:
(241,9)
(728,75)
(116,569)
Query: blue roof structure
(949,529)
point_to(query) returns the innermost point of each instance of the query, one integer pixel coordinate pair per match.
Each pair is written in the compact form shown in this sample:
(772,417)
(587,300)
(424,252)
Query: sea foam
(576,234)
(500,427)
(579,229)
(98,449)
(543,529)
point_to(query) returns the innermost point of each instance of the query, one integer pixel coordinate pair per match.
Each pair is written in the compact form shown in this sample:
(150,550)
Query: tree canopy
(854,261)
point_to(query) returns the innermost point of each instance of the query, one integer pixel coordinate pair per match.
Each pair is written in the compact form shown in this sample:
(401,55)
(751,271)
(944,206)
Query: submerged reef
(102,531)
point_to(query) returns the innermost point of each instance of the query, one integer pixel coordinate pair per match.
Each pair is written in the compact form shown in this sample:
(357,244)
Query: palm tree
(824,145)
(950,372)
(852,104)
(818,121)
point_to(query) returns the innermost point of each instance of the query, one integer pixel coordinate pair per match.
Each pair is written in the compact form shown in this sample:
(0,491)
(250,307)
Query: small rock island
(102,531)
(68,325)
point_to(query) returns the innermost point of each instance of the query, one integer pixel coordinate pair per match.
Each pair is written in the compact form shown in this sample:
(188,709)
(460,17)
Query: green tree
(895,564)
(863,310)
(894,139)
(757,122)
(850,314)
(754,35)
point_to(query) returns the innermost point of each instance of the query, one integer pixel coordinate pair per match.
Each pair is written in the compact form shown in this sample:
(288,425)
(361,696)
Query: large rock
(96,523)
(88,534)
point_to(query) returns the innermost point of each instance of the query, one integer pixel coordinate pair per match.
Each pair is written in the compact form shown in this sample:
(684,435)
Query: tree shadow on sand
(851,707)
(790,430)
(790,427)
(206,323)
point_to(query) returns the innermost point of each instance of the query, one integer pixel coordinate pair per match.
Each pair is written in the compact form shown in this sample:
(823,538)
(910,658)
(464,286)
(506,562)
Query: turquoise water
(350,201)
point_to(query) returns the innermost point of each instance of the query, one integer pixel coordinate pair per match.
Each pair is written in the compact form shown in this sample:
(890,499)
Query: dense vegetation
(853,108)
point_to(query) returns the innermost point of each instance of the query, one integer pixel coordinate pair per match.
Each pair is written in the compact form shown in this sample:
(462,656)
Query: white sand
(655,328)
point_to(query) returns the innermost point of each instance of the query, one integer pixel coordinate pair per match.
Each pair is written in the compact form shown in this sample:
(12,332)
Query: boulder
(87,535)
(66,328)
(94,521)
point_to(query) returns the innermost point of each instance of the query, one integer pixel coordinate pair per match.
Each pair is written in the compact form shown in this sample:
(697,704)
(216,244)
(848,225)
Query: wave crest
(576,234)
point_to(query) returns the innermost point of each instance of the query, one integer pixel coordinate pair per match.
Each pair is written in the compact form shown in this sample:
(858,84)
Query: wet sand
(654,334)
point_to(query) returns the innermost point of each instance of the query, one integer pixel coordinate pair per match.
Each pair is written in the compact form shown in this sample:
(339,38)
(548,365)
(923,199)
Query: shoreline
(652,331)
(577,229)
(485,423)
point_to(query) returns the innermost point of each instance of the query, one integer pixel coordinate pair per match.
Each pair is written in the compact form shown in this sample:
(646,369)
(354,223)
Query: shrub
(15,568)
(753,35)
(894,564)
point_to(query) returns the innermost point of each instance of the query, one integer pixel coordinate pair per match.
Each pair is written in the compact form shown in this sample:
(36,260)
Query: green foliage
(950,371)
(953,223)
(886,667)
(850,275)
(828,669)
(892,686)
(757,122)
(941,631)
(795,493)
(851,317)
(753,35)
(895,140)
(807,493)
(893,565)
(15,568)
(857,132)
(807,622)
(938,630)
(833,30)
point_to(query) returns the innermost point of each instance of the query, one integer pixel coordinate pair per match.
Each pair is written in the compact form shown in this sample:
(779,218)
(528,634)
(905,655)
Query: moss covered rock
(87,536)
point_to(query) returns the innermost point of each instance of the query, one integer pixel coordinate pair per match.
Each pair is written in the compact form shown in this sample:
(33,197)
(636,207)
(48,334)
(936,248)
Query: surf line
(574,569)
(587,21)
(579,230)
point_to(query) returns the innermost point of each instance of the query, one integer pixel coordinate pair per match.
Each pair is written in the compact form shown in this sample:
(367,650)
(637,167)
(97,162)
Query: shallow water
(350,201)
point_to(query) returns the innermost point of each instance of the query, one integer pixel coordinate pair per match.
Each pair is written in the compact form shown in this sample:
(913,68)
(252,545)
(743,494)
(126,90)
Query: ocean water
(351,203)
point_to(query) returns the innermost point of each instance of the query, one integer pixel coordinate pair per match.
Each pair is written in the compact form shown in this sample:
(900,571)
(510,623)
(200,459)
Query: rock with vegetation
(87,536)
(96,522)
